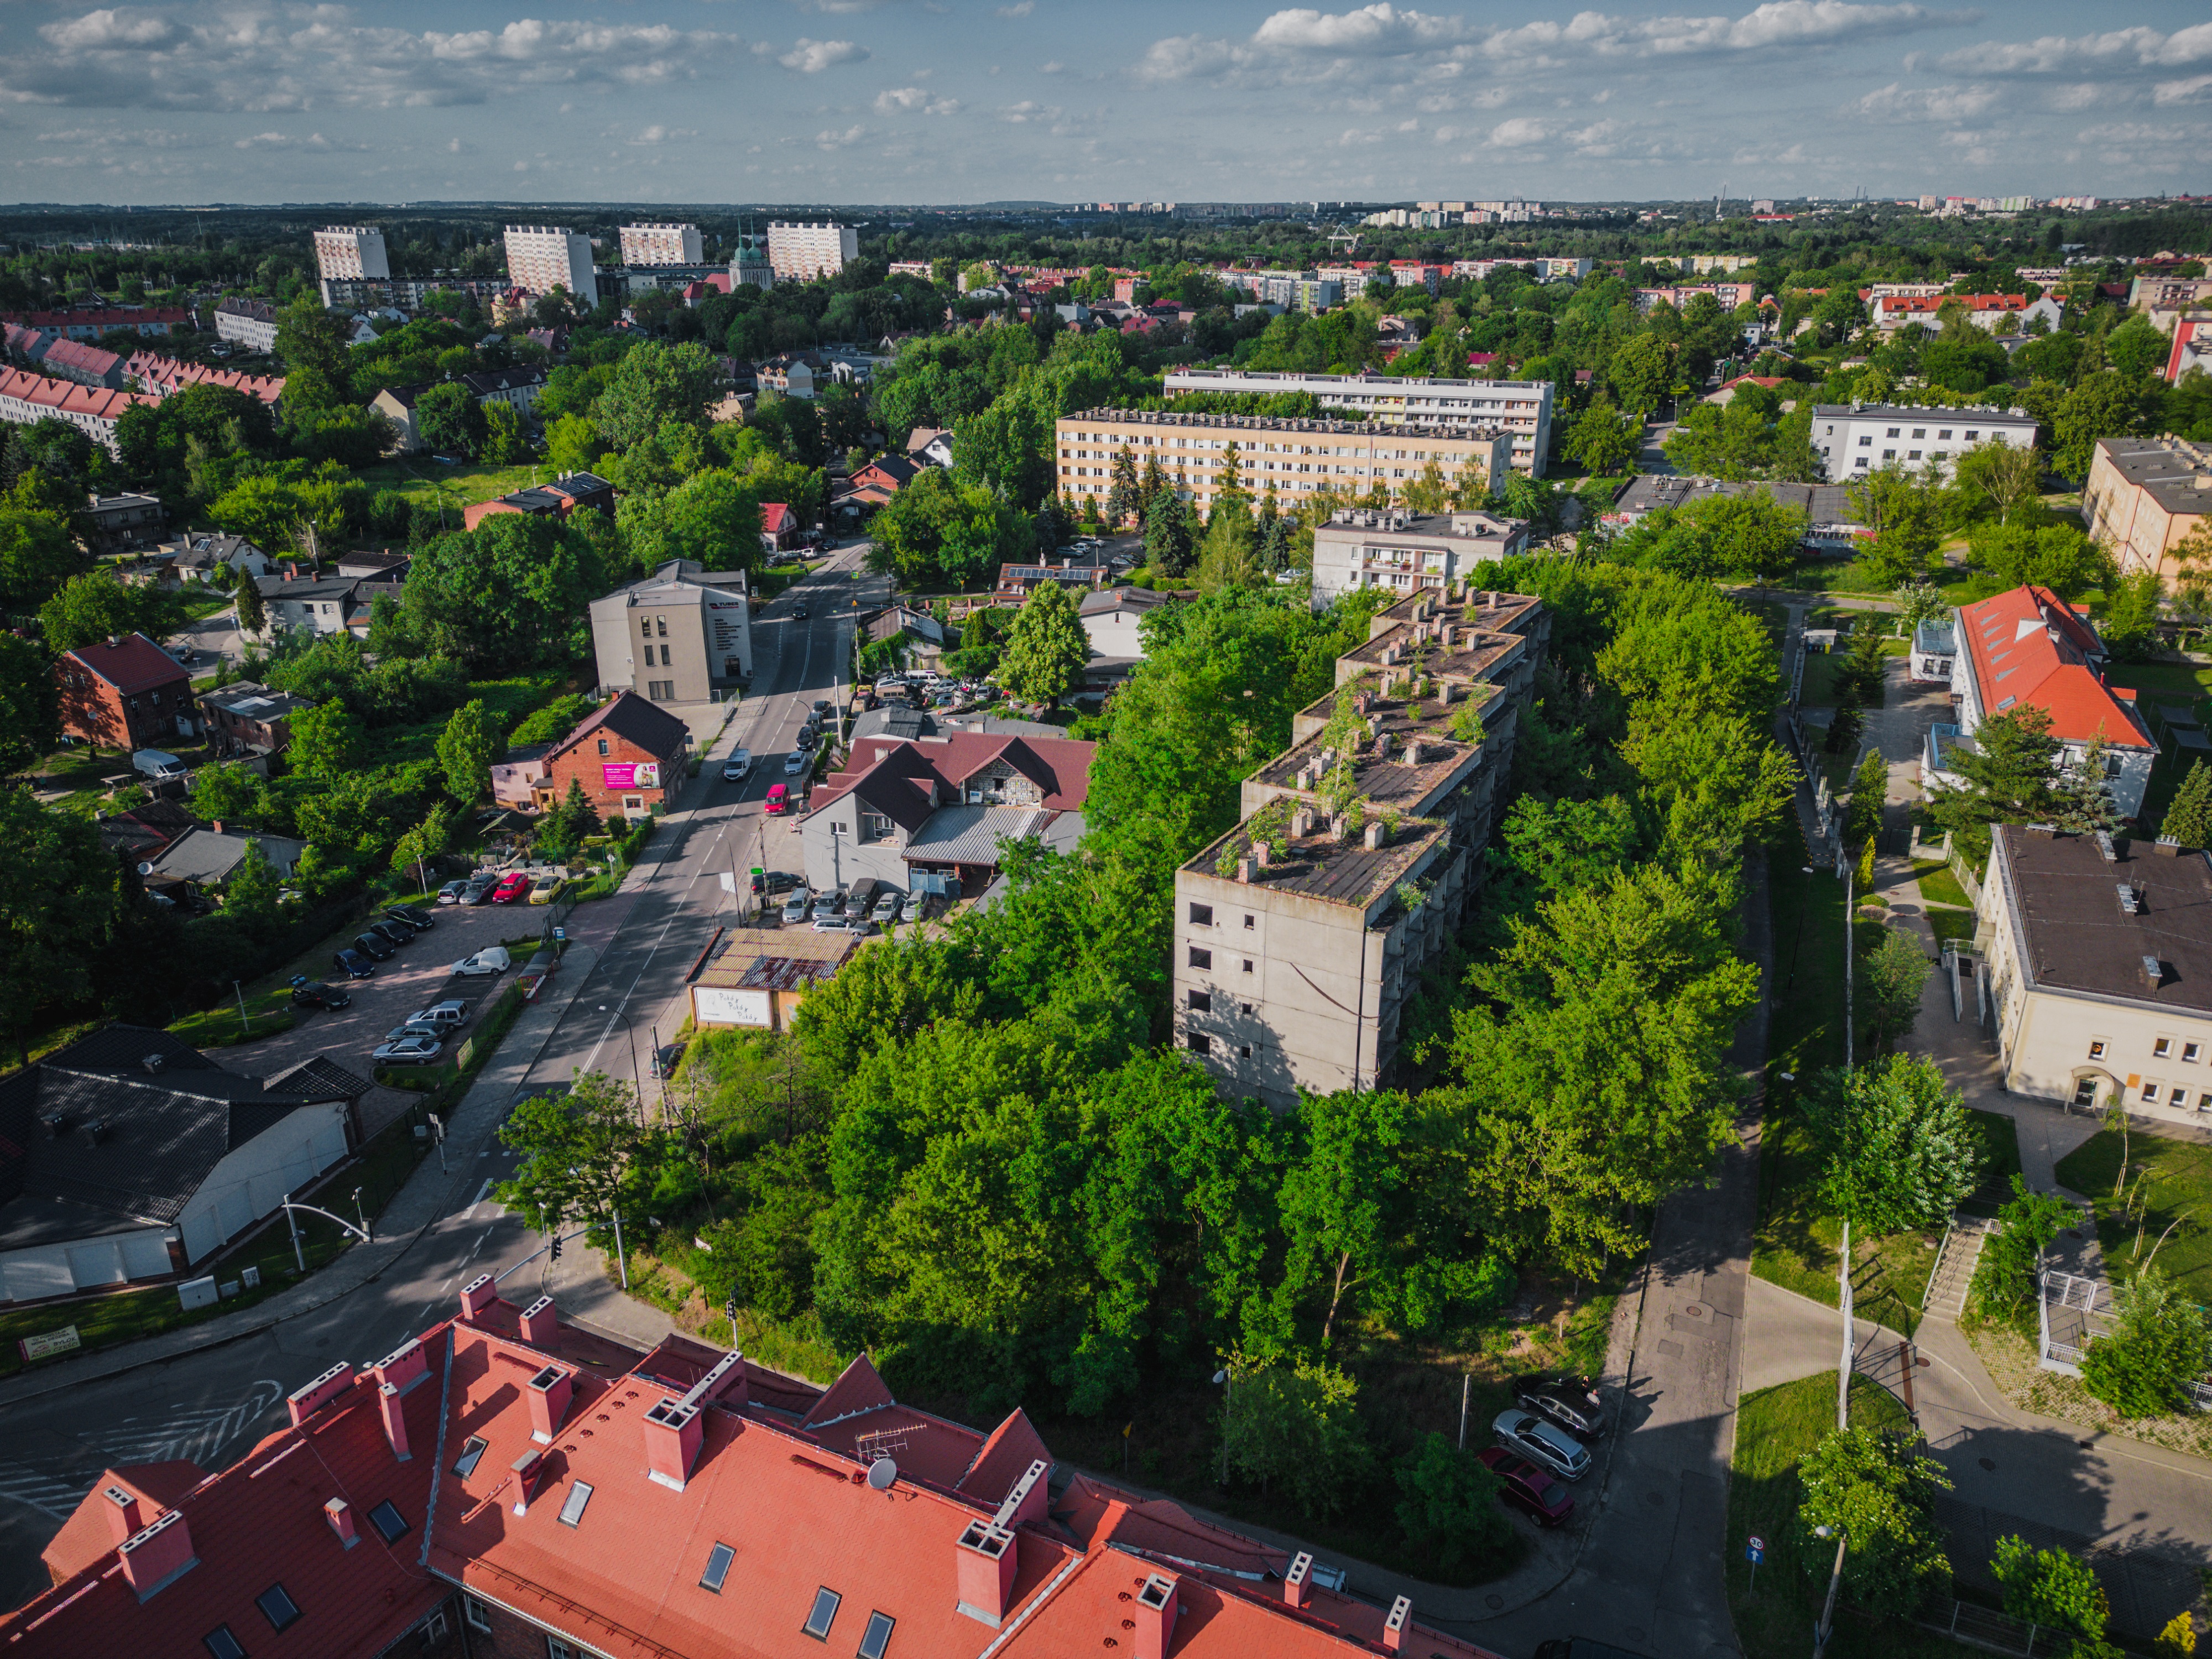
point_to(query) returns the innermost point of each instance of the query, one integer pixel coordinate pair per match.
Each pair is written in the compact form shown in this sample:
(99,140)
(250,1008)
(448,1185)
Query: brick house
(563,496)
(629,756)
(246,718)
(126,693)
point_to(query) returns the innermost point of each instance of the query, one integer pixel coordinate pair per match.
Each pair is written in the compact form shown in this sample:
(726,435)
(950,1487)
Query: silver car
(795,763)
(886,911)
(408,1048)
(795,907)
(1540,1442)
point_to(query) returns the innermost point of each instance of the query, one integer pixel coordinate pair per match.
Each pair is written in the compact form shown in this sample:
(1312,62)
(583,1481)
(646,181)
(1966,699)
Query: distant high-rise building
(661,245)
(798,252)
(343,250)
(541,257)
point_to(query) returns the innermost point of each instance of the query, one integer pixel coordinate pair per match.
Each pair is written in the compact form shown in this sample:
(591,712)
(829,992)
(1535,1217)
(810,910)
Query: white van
(158,763)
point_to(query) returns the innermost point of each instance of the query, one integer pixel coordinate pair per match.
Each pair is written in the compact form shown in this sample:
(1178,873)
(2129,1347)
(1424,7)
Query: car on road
(1532,1438)
(414,915)
(492,959)
(795,763)
(779,800)
(451,891)
(547,888)
(374,946)
(408,1049)
(1528,1488)
(512,886)
(353,964)
(887,910)
(1568,1402)
(738,767)
(798,613)
(314,994)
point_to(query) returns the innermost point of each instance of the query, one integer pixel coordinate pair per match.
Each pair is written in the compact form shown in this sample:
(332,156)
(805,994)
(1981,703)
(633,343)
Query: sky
(887,101)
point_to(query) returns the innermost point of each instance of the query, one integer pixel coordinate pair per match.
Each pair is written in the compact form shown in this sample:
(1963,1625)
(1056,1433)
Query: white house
(1855,438)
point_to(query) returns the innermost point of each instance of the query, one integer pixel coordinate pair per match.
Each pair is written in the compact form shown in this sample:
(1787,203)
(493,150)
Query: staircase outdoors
(1953,1273)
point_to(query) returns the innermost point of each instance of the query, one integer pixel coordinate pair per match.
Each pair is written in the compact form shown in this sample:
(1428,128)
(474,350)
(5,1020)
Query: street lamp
(1227,1385)
(630,1036)
(1826,1628)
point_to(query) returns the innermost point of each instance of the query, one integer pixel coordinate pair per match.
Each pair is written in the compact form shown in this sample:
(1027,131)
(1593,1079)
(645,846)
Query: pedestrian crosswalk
(55,1481)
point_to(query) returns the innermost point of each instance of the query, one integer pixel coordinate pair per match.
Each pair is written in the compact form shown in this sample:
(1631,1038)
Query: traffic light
(555,1253)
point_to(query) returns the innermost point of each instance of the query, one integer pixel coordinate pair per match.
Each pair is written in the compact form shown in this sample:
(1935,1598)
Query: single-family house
(567,494)
(113,523)
(248,718)
(315,604)
(779,527)
(1111,618)
(931,446)
(629,756)
(205,858)
(515,776)
(125,692)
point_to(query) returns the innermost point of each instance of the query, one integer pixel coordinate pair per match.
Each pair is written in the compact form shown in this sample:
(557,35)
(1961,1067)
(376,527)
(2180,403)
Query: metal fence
(2146,1590)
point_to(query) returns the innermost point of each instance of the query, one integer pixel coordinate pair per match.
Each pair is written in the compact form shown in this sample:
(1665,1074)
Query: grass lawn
(2179,1182)
(269,1011)
(1775,1613)
(1939,886)
(1950,925)
(461,486)
(1851,576)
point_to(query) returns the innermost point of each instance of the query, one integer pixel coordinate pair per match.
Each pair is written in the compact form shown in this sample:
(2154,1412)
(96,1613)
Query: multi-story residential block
(541,257)
(27,399)
(1727,296)
(2000,313)
(125,693)
(1521,407)
(2099,981)
(2144,496)
(90,322)
(682,635)
(1292,458)
(248,323)
(662,245)
(1301,934)
(2193,347)
(1855,439)
(350,253)
(158,376)
(409,293)
(1705,264)
(800,252)
(87,364)
(1553,268)
(112,523)
(2028,648)
(629,757)
(1402,552)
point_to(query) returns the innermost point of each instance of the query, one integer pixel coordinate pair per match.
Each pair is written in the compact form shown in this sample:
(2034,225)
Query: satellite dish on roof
(882,1472)
(145,869)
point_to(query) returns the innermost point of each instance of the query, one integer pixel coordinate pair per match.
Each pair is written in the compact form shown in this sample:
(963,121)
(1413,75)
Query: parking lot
(415,976)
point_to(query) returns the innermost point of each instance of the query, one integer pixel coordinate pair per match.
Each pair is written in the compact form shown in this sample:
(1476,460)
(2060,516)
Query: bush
(1449,1512)
(2027,1224)
(2157,1348)
(1296,1431)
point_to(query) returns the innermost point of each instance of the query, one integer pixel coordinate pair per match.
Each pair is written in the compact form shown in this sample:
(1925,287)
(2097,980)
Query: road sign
(1754,1550)
(560,935)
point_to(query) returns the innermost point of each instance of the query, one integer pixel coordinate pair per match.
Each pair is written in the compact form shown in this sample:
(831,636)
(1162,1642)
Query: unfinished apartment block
(1301,933)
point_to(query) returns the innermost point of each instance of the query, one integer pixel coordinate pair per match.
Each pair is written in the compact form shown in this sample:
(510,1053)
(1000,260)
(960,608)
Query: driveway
(413,978)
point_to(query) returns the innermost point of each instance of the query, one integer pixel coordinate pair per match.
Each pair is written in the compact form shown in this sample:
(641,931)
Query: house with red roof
(27,399)
(2008,313)
(928,815)
(125,692)
(505,1483)
(2029,649)
(779,527)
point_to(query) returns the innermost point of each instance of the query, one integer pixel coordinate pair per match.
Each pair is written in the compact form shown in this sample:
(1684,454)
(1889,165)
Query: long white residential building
(662,245)
(800,252)
(1855,438)
(1522,408)
(541,257)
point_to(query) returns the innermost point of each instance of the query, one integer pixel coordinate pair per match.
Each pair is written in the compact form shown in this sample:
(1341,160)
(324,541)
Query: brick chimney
(529,1470)
(477,1295)
(541,1322)
(549,1393)
(405,1368)
(339,1514)
(672,1433)
(128,1514)
(987,1560)
(311,1397)
(161,1552)
(1156,1616)
(395,1421)
(216,824)
(1298,1583)
(1395,1626)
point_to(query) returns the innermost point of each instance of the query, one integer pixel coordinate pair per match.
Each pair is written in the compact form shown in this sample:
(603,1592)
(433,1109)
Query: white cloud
(143,139)
(1023,9)
(1028,110)
(1521,131)
(812,57)
(2116,51)
(1379,28)
(913,101)
(314,141)
(1897,102)
(660,135)
(852,135)
(108,30)
(2179,92)
(1053,68)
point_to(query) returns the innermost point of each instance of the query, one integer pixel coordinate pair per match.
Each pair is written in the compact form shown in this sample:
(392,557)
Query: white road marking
(56,1483)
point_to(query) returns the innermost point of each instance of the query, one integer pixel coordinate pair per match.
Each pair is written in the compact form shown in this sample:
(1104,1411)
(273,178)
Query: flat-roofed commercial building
(1301,934)
(1522,408)
(2144,496)
(1296,459)
(662,245)
(1404,551)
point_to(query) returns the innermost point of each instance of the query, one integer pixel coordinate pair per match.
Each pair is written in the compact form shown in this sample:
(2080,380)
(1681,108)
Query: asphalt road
(212,1405)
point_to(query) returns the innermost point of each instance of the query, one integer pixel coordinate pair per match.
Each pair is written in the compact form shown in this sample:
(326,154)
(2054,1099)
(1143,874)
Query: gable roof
(628,715)
(88,1534)
(2028,648)
(206,854)
(131,663)
(892,774)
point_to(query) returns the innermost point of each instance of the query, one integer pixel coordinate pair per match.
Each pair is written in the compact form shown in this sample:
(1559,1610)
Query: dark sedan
(1528,1488)
(420,920)
(314,994)
(352,964)
(374,947)
(1569,1403)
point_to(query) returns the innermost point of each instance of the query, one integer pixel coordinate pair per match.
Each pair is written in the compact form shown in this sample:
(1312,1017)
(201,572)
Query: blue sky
(971,100)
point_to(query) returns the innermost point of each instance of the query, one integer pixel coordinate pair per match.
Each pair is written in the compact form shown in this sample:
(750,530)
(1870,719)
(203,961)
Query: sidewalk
(429,1193)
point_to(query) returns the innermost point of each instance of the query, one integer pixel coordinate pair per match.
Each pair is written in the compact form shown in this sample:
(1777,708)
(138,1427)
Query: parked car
(843,924)
(774,881)
(492,959)
(481,887)
(413,915)
(415,1028)
(314,994)
(1569,1403)
(452,892)
(547,888)
(452,1012)
(512,886)
(822,709)
(394,934)
(887,910)
(353,964)
(795,763)
(795,907)
(1528,1488)
(374,946)
(408,1049)
(779,800)
(829,903)
(1532,1438)
(855,907)
(738,767)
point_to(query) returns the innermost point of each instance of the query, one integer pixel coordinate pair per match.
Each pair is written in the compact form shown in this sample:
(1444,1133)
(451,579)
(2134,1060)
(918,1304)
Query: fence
(2145,1589)
(1997,1633)
(2072,1311)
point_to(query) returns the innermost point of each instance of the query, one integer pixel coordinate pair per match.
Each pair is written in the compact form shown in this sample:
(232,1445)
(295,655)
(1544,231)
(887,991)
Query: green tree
(1229,553)
(466,749)
(1449,1510)
(414,850)
(712,518)
(1870,789)
(1295,1430)
(2157,1345)
(2132,608)
(2106,404)
(576,1149)
(314,345)
(1898,1146)
(30,704)
(2003,475)
(2059,557)
(1881,1491)
(230,792)
(504,441)
(327,741)
(2189,815)
(450,420)
(572,444)
(252,614)
(95,606)
(1894,975)
(1046,647)
(654,386)
(2055,1590)
(2008,773)
(1604,438)
(59,894)
(1643,374)
(251,894)
(2012,1256)
(1902,512)
(1169,543)
(1339,1201)
(2084,789)
(1124,497)
(2178,1639)
(565,823)
(511,593)
(37,554)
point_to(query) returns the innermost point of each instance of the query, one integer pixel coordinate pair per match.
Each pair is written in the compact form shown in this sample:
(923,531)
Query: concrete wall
(252,1181)
(84,1264)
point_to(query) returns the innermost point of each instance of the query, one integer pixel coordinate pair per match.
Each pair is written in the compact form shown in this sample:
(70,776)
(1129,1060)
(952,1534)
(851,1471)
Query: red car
(1528,1488)
(779,800)
(513,887)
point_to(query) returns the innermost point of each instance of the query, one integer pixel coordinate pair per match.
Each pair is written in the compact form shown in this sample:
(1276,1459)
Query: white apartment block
(800,252)
(351,251)
(1522,408)
(248,323)
(1404,552)
(1855,438)
(541,257)
(662,245)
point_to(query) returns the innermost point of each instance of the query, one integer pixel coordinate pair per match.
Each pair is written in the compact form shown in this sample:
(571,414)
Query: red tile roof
(133,663)
(89,1535)
(160,376)
(776,518)
(1060,767)
(2017,662)
(63,397)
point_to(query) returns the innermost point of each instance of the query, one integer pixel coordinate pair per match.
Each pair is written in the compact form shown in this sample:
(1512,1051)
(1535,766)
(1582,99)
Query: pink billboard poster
(619,775)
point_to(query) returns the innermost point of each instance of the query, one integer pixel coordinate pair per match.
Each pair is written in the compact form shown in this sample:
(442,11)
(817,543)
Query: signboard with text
(630,774)
(47,1343)
(721,1004)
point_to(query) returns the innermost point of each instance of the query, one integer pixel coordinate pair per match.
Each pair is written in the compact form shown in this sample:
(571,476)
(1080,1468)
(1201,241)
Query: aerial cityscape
(1334,831)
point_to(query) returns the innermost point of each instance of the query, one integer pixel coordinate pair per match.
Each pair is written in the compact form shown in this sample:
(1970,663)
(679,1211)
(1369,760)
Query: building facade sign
(719,1005)
(630,775)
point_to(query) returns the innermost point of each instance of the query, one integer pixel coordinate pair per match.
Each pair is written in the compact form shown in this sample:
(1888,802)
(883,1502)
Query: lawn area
(461,486)
(1775,1429)
(1939,886)
(2179,1182)
(267,1012)
(1851,576)
(509,700)
(1950,925)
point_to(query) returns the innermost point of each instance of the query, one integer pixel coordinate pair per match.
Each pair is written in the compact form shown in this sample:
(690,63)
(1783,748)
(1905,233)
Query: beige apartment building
(2143,497)
(351,252)
(541,257)
(680,635)
(661,245)
(1295,458)
(1520,408)
(2099,971)
(798,252)
(1300,935)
